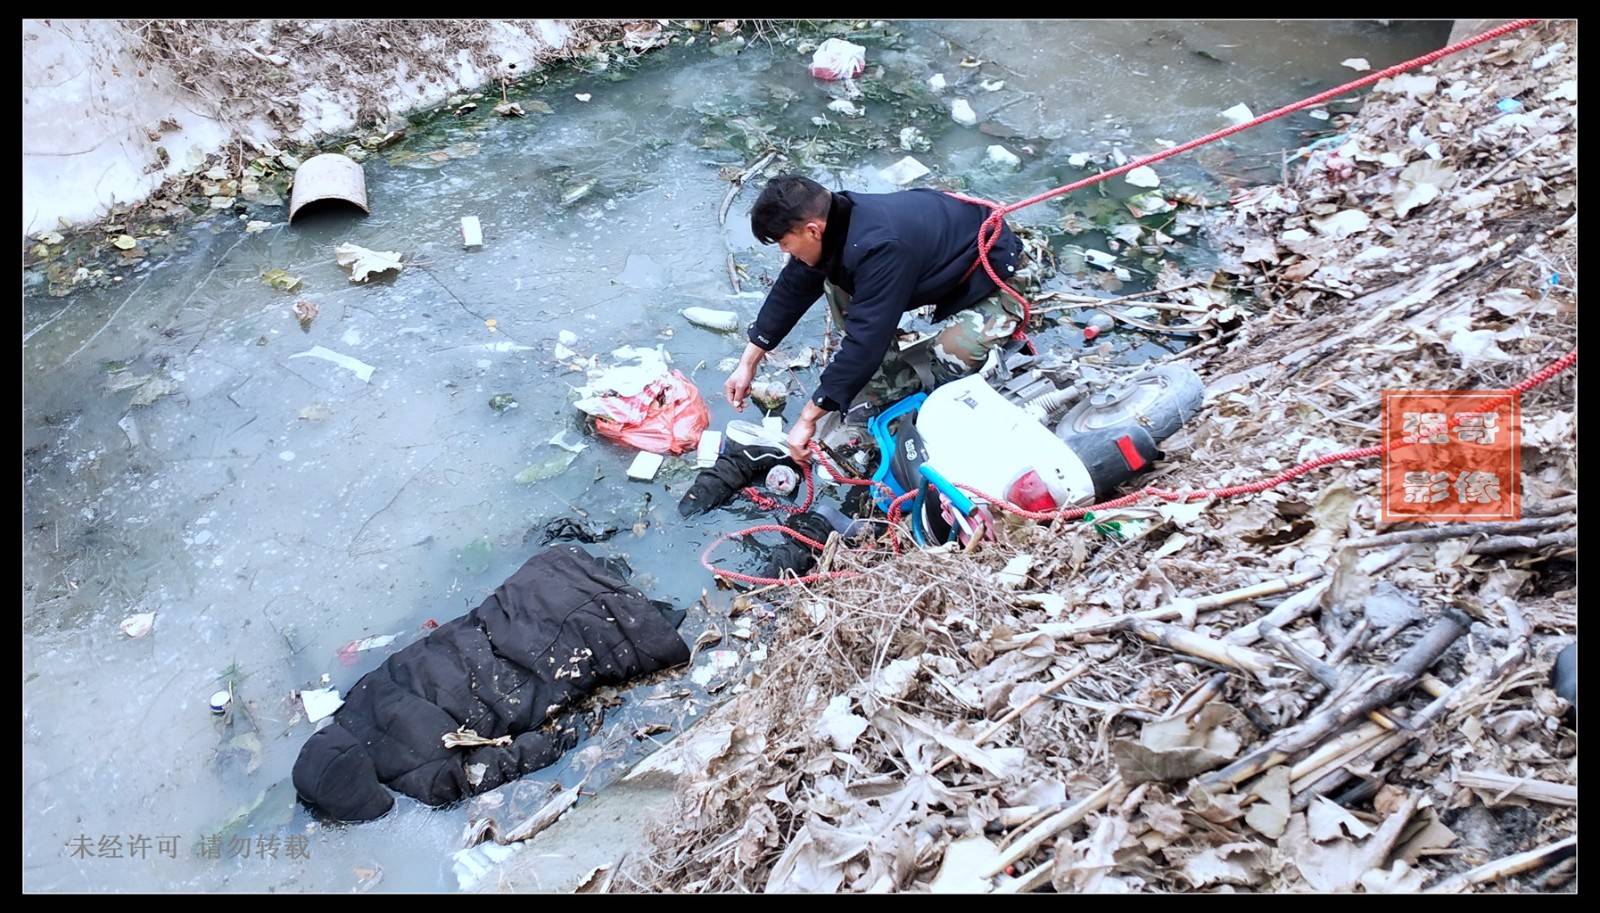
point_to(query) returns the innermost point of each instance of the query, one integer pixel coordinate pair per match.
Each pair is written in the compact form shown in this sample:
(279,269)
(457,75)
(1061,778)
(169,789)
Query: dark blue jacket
(892,252)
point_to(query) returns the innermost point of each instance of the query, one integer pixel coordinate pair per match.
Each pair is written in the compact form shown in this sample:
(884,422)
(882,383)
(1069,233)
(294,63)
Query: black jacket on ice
(892,252)
(562,625)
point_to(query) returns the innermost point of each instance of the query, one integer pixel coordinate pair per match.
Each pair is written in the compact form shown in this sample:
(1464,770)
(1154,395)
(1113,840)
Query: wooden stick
(1379,689)
(1375,852)
(1458,530)
(1521,787)
(1287,612)
(1199,697)
(1180,608)
(1337,751)
(1197,348)
(1451,698)
(1506,163)
(733,273)
(1055,824)
(738,185)
(1524,543)
(1210,649)
(1091,299)
(1328,675)
(1550,508)
(989,733)
(1558,875)
(1502,868)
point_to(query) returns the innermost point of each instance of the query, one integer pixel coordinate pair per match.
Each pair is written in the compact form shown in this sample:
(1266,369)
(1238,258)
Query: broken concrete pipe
(329,176)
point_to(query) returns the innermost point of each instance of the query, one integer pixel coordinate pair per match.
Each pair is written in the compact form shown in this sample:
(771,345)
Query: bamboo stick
(1522,787)
(1502,868)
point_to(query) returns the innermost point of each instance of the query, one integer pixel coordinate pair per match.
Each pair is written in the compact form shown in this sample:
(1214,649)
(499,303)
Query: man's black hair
(787,201)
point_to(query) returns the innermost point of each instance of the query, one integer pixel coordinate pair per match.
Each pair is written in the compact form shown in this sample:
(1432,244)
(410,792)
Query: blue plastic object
(1508,105)
(958,498)
(878,427)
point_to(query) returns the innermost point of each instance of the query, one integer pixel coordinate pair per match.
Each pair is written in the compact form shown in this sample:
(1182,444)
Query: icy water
(270,508)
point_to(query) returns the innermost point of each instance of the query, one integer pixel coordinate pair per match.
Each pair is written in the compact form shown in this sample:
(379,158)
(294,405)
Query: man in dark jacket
(564,624)
(876,256)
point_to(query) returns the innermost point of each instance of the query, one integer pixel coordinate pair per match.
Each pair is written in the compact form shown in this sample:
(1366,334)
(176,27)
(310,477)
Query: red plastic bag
(667,416)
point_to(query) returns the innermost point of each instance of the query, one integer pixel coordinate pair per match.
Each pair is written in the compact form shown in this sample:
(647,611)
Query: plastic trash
(321,703)
(221,700)
(1508,105)
(645,466)
(961,112)
(904,171)
(770,394)
(838,59)
(1143,176)
(710,446)
(471,231)
(349,654)
(1097,323)
(361,369)
(1003,157)
(724,321)
(137,626)
(937,81)
(667,416)
(846,107)
(1238,114)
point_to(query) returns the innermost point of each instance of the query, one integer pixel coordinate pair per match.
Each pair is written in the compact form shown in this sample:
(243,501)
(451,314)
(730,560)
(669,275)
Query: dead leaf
(966,860)
(137,626)
(542,818)
(362,262)
(510,109)
(838,725)
(1260,250)
(305,312)
(1398,879)
(1231,863)
(1334,866)
(1216,807)
(1140,764)
(1509,302)
(1270,813)
(280,280)
(1327,820)
(1085,868)
(154,389)
(124,242)
(1433,835)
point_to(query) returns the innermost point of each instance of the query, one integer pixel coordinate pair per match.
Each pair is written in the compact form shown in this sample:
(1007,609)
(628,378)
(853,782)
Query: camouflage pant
(960,347)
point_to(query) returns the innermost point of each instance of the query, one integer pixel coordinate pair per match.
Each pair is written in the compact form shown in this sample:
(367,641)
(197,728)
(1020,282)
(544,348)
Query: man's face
(804,242)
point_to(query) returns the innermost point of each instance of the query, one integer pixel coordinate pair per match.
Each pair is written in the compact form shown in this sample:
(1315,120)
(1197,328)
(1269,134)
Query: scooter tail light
(1030,493)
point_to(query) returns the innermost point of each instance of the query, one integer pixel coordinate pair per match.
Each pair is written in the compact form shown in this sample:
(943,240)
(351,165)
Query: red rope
(989,234)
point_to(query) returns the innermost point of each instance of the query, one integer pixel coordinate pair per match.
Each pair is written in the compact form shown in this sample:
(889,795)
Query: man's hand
(737,386)
(805,427)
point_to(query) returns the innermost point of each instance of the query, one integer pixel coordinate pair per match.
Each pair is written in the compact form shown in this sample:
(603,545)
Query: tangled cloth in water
(796,556)
(564,624)
(740,466)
